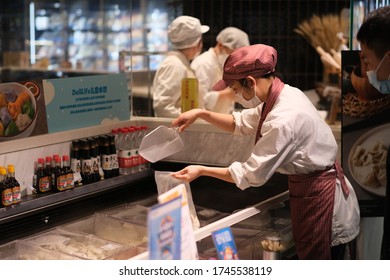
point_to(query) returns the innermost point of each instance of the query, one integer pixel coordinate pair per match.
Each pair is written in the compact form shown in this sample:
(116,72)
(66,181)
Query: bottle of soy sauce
(5,190)
(49,170)
(106,157)
(114,156)
(41,181)
(11,181)
(75,162)
(67,172)
(86,162)
(58,176)
(95,160)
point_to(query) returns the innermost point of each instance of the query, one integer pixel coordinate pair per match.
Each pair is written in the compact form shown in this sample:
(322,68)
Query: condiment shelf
(36,203)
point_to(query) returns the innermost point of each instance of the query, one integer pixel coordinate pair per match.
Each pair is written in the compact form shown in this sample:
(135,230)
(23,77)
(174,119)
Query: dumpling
(22,120)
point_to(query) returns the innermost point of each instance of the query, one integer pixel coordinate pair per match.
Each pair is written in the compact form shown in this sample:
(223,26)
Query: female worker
(291,138)
(185,34)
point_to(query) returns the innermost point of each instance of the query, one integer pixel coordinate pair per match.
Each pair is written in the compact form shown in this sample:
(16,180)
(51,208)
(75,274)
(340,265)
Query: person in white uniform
(292,139)
(208,68)
(185,35)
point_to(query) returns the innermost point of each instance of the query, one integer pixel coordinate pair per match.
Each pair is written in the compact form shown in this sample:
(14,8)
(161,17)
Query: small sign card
(164,227)
(225,245)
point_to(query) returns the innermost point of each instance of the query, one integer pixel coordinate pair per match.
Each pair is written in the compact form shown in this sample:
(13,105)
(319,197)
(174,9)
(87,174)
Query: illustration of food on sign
(16,110)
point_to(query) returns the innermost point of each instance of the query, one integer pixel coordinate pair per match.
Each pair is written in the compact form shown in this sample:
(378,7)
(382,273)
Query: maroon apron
(311,206)
(311,199)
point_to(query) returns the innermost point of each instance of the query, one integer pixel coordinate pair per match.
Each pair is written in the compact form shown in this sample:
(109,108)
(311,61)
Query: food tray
(80,245)
(18,250)
(112,229)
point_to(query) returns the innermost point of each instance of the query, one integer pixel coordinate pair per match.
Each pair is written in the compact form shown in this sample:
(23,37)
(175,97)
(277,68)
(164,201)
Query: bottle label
(6,197)
(134,154)
(114,161)
(44,184)
(95,165)
(86,167)
(75,165)
(125,159)
(69,180)
(16,195)
(106,162)
(61,183)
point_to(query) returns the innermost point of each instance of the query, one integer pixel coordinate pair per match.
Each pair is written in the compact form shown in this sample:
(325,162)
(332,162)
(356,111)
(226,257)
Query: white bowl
(19,88)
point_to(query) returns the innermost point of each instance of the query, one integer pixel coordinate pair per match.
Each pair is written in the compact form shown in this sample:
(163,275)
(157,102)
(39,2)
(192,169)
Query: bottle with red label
(6,190)
(11,181)
(59,176)
(49,170)
(67,172)
(42,180)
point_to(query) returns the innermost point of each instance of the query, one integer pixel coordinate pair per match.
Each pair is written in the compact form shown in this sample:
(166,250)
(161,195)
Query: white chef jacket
(166,89)
(209,71)
(295,140)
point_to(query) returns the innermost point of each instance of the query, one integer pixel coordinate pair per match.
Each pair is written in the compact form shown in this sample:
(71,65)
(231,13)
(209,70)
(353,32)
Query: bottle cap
(11,168)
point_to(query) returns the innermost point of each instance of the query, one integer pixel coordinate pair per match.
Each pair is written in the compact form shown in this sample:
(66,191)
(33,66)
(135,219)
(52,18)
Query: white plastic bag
(165,182)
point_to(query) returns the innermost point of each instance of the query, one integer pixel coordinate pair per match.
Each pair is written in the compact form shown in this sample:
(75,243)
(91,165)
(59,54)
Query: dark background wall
(266,21)
(269,22)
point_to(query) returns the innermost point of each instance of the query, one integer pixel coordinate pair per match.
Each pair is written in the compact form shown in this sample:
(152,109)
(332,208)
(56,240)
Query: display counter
(38,214)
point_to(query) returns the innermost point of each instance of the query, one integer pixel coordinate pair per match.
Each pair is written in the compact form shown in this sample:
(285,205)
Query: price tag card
(225,245)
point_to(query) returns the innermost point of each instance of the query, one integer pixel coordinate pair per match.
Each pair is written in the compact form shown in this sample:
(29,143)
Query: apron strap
(340,175)
(273,94)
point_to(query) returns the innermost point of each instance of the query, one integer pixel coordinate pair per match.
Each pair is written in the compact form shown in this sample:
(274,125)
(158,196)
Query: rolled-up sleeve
(247,121)
(267,156)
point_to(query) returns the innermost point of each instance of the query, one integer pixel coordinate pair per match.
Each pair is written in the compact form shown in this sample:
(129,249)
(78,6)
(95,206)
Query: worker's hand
(186,119)
(188,173)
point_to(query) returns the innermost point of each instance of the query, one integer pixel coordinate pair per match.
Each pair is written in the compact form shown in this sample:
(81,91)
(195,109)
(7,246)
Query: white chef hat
(185,32)
(233,38)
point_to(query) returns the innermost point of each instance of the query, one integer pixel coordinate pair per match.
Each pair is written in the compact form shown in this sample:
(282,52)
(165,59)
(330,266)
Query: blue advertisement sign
(78,102)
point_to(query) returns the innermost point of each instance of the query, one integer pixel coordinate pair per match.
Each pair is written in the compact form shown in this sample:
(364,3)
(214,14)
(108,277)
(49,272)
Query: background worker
(208,68)
(185,35)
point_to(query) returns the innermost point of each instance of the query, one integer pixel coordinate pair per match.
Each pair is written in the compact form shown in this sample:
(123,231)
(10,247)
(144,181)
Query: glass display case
(89,35)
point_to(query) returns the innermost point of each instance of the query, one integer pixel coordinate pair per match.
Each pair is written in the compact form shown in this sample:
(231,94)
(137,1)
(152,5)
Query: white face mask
(251,103)
(222,58)
(381,86)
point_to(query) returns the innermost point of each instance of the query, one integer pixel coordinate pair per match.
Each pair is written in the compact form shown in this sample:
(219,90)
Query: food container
(19,250)
(112,229)
(82,246)
(272,247)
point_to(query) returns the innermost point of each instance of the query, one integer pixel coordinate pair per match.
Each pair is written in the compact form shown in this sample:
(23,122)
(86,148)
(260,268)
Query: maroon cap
(255,60)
